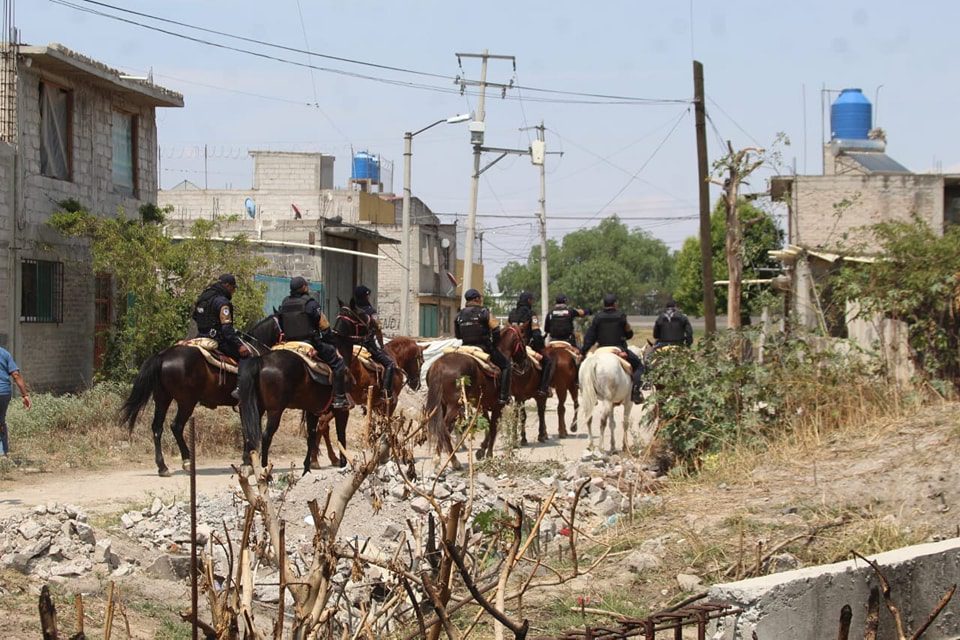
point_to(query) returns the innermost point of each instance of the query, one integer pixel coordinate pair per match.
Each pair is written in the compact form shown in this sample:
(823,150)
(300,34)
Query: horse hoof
(164,473)
(573,428)
(562,435)
(187,465)
(314,465)
(542,437)
(343,462)
(481,454)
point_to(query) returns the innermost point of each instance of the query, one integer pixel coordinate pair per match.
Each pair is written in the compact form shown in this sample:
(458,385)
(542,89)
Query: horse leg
(323,431)
(626,426)
(311,421)
(574,394)
(542,418)
(273,423)
(494,421)
(160,406)
(340,417)
(520,419)
(561,413)
(184,411)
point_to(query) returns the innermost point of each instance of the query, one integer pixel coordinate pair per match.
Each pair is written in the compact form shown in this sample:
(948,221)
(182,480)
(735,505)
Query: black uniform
(672,328)
(301,320)
(475,326)
(523,315)
(213,313)
(360,325)
(611,329)
(559,323)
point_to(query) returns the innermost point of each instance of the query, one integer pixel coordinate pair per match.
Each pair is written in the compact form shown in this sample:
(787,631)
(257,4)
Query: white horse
(604,381)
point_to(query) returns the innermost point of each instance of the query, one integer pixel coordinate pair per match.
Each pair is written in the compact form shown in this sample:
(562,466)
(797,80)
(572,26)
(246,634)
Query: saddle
(569,348)
(621,356)
(534,358)
(320,370)
(208,348)
(366,359)
(482,358)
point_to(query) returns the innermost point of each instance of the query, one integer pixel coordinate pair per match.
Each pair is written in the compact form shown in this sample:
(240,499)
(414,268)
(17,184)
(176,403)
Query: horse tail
(588,390)
(146,382)
(435,409)
(249,406)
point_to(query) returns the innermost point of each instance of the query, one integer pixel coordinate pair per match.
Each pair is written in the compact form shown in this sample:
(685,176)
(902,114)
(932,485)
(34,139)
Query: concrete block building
(70,127)
(355,231)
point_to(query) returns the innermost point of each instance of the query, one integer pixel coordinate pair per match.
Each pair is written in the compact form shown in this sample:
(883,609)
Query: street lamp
(405,232)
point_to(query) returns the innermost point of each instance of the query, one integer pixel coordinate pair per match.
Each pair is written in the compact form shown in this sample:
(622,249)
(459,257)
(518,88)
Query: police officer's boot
(340,400)
(546,376)
(388,383)
(637,394)
(505,385)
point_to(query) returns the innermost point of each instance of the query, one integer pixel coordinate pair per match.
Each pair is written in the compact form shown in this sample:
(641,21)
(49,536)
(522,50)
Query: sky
(765,66)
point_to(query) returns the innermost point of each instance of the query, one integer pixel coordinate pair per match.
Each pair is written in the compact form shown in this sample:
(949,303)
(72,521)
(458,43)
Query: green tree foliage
(157,278)
(917,281)
(761,234)
(608,258)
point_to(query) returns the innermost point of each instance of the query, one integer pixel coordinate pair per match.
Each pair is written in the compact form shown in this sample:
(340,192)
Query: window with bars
(41,291)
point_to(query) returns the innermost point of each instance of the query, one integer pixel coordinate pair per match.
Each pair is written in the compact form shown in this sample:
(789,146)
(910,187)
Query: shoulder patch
(225,314)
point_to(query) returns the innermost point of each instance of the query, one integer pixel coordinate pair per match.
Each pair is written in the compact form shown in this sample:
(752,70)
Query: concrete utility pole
(476,139)
(706,248)
(544,285)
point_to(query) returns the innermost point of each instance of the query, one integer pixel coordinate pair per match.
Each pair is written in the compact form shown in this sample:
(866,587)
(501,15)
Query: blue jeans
(4,439)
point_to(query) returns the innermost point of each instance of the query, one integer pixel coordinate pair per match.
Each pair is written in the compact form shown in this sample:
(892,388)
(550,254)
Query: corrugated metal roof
(877,162)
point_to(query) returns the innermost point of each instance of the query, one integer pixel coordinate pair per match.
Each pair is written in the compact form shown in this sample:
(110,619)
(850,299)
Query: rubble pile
(55,542)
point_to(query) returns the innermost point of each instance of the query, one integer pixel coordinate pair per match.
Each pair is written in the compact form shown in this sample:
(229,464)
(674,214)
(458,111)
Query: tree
(158,279)
(730,172)
(761,234)
(608,258)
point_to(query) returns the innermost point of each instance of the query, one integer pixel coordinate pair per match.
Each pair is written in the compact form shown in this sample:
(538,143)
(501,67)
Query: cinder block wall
(819,217)
(59,356)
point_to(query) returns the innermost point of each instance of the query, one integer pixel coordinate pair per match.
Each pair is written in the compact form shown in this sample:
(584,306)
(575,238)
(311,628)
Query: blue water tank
(851,116)
(366,167)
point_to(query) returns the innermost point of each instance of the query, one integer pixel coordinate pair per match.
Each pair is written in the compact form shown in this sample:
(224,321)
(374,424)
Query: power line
(313,79)
(575,217)
(587,97)
(735,123)
(640,170)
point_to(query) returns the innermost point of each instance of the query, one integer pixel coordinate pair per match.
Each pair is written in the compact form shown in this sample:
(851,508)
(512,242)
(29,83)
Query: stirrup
(340,403)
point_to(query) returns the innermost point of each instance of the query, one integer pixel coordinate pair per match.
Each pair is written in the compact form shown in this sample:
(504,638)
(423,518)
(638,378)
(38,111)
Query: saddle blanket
(366,359)
(308,354)
(208,348)
(621,356)
(566,346)
(478,354)
(534,358)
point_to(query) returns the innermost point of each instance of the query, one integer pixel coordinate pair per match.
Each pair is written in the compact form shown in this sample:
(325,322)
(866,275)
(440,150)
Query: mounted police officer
(611,329)
(213,313)
(301,320)
(372,337)
(477,327)
(559,322)
(672,327)
(521,315)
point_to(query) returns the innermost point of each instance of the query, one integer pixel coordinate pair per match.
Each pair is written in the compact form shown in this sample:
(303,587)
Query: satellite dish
(251,207)
(445,243)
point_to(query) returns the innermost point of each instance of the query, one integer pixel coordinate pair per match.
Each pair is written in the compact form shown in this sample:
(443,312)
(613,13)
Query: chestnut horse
(444,407)
(409,358)
(564,382)
(181,373)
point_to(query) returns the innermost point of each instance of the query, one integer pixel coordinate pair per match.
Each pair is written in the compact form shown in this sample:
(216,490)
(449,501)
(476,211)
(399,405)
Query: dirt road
(111,490)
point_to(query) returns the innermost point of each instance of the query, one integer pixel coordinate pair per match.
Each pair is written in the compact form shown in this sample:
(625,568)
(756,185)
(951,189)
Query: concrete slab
(805,604)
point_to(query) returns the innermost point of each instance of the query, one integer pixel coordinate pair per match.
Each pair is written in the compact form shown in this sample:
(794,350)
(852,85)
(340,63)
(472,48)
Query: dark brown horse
(182,373)
(409,358)
(444,406)
(564,382)
(524,384)
(278,381)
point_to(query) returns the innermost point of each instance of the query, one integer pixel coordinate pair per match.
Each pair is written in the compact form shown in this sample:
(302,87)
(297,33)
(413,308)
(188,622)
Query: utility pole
(706,249)
(405,236)
(538,156)
(476,139)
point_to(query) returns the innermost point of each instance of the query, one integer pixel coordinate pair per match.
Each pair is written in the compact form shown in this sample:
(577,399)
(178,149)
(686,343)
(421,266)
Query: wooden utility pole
(706,249)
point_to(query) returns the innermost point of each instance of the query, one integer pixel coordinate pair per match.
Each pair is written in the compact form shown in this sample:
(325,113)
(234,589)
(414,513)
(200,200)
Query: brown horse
(409,358)
(444,407)
(181,373)
(524,384)
(278,381)
(564,382)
